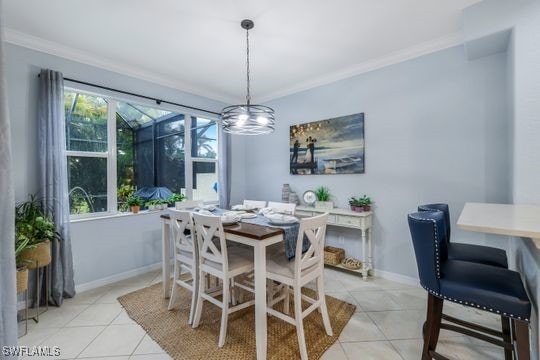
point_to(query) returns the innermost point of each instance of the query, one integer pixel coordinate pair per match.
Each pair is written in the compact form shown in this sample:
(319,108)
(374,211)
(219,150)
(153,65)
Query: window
(114,146)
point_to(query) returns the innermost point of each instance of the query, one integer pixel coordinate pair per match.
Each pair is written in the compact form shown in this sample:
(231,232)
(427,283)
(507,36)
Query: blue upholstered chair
(485,287)
(467,252)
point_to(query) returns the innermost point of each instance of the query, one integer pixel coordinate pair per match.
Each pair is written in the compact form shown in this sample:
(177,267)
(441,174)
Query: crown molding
(50,47)
(54,48)
(425,48)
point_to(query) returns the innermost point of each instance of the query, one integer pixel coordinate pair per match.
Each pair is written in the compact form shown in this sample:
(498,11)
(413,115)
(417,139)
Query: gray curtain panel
(8,297)
(224,170)
(54,179)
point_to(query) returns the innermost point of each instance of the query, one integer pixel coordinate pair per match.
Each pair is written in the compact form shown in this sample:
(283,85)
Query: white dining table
(259,238)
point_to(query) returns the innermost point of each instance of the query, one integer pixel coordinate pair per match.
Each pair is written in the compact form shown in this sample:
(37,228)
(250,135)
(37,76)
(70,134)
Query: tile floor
(386,324)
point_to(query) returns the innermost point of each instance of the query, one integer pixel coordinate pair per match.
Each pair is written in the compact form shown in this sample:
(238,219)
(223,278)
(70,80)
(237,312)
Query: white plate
(248,215)
(208,207)
(282,222)
(229,221)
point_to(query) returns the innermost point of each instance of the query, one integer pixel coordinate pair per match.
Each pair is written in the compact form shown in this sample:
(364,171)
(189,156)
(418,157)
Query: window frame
(111,153)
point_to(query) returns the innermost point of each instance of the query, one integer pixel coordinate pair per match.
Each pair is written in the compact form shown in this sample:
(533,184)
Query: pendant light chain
(248,96)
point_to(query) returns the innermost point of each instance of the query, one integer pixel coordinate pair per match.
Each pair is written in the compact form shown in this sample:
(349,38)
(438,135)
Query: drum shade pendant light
(248,119)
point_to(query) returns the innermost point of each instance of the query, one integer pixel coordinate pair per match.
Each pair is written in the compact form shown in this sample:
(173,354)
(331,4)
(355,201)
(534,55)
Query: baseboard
(116,277)
(402,279)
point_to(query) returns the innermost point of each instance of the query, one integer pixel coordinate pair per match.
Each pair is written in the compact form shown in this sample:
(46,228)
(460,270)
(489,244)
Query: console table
(362,221)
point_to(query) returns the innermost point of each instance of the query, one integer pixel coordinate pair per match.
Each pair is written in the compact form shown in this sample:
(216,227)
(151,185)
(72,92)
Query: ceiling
(198,46)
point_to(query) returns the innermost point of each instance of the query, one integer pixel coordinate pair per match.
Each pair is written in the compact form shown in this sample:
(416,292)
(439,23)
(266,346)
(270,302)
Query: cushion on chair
(238,257)
(478,253)
(485,287)
(279,264)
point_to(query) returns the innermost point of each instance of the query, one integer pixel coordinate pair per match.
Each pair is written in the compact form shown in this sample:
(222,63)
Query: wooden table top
(252,231)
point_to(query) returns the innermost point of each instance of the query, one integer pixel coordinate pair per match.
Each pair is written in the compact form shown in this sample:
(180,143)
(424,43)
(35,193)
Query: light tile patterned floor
(386,325)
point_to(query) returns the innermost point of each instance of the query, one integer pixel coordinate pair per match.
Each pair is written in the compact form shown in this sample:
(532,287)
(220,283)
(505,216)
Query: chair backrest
(255,204)
(429,242)
(207,227)
(285,208)
(314,229)
(180,222)
(439,207)
(188,204)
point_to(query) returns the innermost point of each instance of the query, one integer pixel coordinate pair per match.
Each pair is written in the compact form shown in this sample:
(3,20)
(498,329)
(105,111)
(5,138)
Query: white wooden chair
(186,255)
(306,267)
(256,204)
(285,208)
(224,263)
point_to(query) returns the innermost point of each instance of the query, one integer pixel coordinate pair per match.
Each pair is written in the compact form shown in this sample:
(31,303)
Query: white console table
(362,221)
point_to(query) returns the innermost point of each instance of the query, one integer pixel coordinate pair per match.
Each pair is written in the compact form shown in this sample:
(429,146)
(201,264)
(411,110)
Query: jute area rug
(172,332)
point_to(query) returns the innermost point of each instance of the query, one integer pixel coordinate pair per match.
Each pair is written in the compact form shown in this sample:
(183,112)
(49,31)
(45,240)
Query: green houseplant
(360,204)
(135,203)
(34,232)
(124,192)
(176,198)
(323,198)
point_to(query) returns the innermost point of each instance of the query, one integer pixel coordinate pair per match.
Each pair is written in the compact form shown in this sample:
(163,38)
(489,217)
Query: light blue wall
(435,131)
(119,245)
(523,53)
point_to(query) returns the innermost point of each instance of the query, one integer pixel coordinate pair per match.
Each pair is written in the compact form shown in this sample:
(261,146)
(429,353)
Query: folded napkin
(281,218)
(266,210)
(205,212)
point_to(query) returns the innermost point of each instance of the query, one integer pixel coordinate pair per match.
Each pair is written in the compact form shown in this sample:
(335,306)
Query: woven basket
(333,255)
(22,280)
(38,256)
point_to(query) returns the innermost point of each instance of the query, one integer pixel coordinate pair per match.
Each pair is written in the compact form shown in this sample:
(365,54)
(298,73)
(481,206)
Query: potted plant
(151,205)
(135,203)
(176,199)
(355,204)
(162,204)
(123,193)
(323,198)
(22,269)
(365,202)
(34,232)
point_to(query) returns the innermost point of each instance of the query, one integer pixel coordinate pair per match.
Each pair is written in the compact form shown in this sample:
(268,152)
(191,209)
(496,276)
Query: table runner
(290,233)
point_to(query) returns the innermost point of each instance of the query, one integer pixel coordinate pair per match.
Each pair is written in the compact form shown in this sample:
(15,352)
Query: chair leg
(434,315)
(198,308)
(224,312)
(174,291)
(324,310)
(299,322)
(233,293)
(286,301)
(194,293)
(522,340)
(507,336)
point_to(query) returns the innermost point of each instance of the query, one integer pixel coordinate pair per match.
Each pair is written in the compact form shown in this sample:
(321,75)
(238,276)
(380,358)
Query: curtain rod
(158,101)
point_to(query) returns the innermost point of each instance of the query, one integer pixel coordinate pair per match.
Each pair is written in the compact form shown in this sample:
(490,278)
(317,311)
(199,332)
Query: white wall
(435,131)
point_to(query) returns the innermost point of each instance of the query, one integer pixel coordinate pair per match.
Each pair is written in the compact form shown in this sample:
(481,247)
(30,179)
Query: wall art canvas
(332,146)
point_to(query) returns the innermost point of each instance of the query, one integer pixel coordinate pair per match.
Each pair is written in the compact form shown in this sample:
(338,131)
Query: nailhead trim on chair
(495,311)
(437,257)
(423,208)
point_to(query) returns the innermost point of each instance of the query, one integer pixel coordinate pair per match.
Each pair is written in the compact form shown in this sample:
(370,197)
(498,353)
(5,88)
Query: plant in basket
(360,204)
(34,232)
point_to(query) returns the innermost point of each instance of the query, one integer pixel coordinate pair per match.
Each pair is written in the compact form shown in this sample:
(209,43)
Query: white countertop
(511,220)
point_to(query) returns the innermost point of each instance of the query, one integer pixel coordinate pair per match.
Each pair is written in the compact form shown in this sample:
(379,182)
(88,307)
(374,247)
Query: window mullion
(187,158)
(112,200)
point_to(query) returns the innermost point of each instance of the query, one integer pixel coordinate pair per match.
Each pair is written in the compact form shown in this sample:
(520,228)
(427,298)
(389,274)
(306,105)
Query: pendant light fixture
(248,119)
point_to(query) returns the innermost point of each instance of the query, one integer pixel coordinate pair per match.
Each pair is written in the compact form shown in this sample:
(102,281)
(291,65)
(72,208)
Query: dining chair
(483,287)
(306,267)
(256,204)
(224,263)
(467,252)
(186,256)
(285,208)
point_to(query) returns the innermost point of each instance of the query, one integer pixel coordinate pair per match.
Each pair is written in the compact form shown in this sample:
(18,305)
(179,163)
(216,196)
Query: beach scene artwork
(331,146)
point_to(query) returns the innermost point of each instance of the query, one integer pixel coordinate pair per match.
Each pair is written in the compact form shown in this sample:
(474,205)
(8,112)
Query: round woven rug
(172,332)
